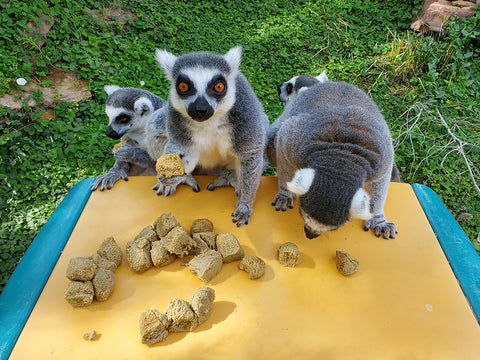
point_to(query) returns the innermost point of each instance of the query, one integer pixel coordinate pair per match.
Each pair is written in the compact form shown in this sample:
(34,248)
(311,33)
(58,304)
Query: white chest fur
(212,142)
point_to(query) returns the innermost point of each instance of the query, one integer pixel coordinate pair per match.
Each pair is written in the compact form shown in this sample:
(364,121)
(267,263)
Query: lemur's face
(120,121)
(289,90)
(202,84)
(201,93)
(320,210)
(127,111)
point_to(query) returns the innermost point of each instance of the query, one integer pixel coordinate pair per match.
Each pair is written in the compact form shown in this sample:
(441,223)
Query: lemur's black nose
(200,109)
(279,88)
(112,133)
(309,233)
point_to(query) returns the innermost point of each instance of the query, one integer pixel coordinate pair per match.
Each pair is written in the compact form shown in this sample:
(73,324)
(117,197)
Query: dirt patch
(64,86)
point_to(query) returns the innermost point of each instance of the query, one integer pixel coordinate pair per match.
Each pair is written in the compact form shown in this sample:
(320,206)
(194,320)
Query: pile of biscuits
(180,315)
(93,276)
(203,250)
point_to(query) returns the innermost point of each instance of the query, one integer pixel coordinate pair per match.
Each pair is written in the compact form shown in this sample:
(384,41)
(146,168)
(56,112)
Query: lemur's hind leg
(227,178)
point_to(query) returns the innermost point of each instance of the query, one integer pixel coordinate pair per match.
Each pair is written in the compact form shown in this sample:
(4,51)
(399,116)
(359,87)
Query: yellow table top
(403,303)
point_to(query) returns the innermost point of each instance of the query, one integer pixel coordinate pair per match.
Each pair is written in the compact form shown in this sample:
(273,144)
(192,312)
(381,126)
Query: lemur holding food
(215,119)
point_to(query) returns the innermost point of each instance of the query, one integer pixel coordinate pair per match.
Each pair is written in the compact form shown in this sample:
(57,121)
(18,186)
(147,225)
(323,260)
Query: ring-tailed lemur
(137,117)
(289,90)
(215,119)
(333,150)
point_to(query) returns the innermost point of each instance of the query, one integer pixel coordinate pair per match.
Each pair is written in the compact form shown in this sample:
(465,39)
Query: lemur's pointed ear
(360,206)
(322,77)
(143,106)
(166,60)
(233,57)
(110,89)
(302,181)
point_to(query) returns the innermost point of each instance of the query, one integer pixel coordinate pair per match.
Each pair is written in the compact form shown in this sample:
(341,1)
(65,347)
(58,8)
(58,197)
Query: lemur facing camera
(215,119)
(333,150)
(138,118)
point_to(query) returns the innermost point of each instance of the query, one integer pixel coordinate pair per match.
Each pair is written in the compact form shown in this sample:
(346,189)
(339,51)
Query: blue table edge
(32,272)
(30,276)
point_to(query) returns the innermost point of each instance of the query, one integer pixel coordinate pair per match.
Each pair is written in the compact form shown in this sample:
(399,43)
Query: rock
(434,13)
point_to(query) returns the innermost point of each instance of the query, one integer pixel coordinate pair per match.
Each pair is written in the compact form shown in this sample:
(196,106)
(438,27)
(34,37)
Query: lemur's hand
(168,186)
(242,213)
(125,153)
(380,225)
(109,179)
(283,199)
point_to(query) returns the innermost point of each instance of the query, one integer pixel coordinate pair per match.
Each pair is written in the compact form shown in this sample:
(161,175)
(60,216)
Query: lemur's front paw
(168,186)
(380,225)
(242,213)
(282,200)
(125,153)
(228,178)
(106,181)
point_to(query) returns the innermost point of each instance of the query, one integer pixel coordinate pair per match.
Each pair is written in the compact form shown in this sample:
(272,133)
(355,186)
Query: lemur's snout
(200,109)
(309,233)
(279,89)
(112,133)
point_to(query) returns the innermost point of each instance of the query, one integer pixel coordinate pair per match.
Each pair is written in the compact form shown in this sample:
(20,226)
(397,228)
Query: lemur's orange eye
(219,87)
(183,87)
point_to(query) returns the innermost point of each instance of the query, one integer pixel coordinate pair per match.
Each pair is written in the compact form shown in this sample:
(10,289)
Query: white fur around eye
(360,207)
(302,181)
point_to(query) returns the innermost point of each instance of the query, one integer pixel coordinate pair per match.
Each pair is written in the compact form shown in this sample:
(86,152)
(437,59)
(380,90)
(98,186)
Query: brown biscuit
(178,242)
(346,264)
(79,293)
(164,223)
(170,165)
(201,302)
(138,255)
(110,250)
(147,233)
(253,265)
(81,268)
(160,256)
(101,262)
(103,282)
(229,247)
(180,315)
(289,255)
(208,238)
(153,326)
(206,265)
(201,225)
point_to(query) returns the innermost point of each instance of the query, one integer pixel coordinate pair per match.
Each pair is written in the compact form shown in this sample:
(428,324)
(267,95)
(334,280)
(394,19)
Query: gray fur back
(346,120)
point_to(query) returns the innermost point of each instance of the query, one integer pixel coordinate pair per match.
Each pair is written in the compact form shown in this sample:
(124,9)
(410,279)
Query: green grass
(417,80)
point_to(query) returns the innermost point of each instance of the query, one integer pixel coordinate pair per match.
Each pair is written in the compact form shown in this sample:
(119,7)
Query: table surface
(403,303)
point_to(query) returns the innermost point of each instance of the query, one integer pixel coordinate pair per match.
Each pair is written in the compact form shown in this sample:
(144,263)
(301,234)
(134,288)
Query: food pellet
(289,255)
(253,265)
(346,264)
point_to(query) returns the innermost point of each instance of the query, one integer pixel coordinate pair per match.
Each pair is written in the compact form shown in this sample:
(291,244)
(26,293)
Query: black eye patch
(217,87)
(289,88)
(184,86)
(123,118)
